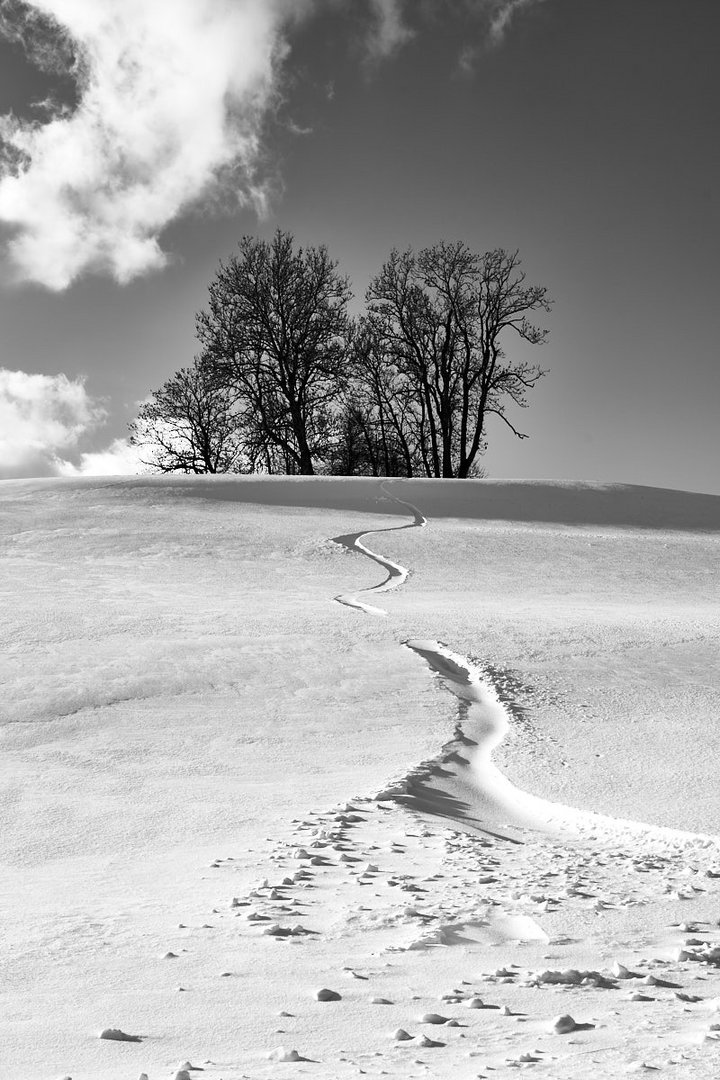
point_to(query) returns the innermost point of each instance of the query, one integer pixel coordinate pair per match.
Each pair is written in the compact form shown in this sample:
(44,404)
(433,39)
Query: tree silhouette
(432,359)
(190,425)
(277,330)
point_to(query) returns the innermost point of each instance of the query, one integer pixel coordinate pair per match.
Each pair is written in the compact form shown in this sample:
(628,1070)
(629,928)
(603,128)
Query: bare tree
(431,351)
(191,425)
(276,329)
(286,383)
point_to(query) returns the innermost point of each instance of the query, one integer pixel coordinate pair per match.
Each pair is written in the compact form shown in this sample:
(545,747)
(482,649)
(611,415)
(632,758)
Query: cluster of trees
(286,381)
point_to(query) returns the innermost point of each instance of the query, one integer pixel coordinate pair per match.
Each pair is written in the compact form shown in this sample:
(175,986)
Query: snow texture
(492,801)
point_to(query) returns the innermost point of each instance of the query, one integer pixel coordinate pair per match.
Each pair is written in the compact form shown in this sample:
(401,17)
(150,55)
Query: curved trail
(396,574)
(462,783)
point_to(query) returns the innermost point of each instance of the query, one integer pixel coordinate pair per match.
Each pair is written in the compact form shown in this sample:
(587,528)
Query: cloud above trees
(171,93)
(171,98)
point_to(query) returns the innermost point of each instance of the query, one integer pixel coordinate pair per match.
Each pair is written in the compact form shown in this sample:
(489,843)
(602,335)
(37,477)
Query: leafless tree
(276,329)
(430,353)
(191,425)
(286,383)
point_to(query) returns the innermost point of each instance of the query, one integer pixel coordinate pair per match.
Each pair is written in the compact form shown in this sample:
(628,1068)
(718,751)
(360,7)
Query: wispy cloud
(388,31)
(171,93)
(492,20)
(501,14)
(41,418)
(468,59)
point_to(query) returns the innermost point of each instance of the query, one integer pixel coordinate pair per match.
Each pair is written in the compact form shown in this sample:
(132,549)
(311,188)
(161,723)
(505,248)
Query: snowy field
(203,692)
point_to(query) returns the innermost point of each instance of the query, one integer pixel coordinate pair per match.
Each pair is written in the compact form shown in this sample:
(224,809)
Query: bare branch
(503,417)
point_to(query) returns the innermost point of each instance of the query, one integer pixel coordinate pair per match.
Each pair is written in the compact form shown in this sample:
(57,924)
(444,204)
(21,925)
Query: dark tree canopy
(277,330)
(430,355)
(376,396)
(287,382)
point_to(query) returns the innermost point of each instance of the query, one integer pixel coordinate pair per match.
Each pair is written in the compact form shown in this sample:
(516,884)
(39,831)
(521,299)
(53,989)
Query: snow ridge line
(397,574)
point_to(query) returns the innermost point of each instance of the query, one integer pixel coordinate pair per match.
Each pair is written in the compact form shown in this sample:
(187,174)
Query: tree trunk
(447,462)
(306,464)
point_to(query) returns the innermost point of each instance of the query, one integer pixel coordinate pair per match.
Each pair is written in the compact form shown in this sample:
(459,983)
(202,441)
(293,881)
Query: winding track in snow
(475,793)
(396,574)
(463,782)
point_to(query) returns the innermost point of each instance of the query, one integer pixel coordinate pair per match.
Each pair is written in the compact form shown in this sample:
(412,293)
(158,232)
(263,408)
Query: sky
(143,138)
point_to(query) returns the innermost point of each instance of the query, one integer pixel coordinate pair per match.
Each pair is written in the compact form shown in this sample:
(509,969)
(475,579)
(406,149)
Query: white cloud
(42,416)
(118,459)
(171,94)
(172,97)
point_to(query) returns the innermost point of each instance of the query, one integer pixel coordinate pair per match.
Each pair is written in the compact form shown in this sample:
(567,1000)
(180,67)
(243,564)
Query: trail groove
(462,783)
(397,574)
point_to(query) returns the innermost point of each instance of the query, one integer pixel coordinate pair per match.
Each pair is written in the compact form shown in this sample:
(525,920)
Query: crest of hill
(531,501)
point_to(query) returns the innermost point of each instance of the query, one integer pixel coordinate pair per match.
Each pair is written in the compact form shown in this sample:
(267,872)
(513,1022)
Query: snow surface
(185,701)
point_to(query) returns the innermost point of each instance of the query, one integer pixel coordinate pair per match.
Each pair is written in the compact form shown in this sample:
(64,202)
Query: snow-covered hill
(179,684)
